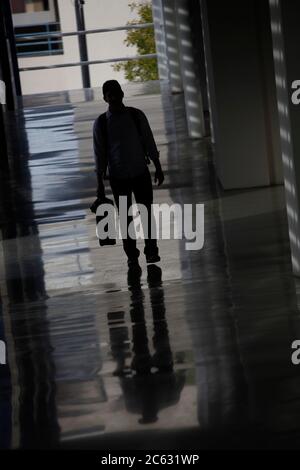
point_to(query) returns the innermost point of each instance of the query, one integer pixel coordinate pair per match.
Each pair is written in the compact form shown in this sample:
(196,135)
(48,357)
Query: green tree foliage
(143,39)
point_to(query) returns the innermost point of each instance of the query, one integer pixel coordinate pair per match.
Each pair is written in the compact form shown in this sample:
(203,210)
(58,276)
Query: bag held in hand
(108,241)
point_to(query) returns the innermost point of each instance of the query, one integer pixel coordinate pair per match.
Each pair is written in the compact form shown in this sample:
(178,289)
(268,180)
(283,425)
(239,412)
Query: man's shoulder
(101,116)
(136,112)
(99,120)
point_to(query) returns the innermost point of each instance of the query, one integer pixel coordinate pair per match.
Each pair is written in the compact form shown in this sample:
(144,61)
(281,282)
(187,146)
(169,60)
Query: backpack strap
(136,119)
(104,135)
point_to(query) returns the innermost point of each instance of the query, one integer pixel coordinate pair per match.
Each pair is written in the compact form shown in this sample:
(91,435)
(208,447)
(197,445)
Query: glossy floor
(192,353)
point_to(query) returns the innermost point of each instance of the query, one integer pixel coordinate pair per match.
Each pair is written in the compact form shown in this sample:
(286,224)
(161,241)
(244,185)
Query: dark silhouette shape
(149,383)
(93,208)
(34,363)
(124,145)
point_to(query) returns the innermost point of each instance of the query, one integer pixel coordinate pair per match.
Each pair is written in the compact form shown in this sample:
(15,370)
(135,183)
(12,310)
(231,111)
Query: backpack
(103,127)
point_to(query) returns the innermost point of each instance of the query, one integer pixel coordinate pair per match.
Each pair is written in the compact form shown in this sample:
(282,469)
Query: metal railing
(102,30)
(84,33)
(89,62)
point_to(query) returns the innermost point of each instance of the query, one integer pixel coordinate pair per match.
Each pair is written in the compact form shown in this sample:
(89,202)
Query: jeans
(141,187)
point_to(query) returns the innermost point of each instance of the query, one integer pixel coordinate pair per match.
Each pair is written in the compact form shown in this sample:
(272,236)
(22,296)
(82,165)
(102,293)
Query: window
(34,40)
(31,12)
(33,21)
(29,6)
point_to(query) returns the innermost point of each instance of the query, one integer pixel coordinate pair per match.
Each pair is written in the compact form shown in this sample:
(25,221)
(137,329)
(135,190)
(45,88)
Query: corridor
(194,353)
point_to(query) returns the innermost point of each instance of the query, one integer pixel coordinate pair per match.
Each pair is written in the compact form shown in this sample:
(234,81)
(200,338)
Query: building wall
(98,14)
(105,14)
(242,93)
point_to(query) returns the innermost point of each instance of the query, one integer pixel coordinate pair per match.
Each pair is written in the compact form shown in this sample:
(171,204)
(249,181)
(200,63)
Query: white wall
(98,14)
(243,155)
(105,14)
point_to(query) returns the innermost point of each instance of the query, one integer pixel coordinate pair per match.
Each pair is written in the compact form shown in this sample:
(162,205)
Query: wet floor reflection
(171,355)
(148,381)
(38,420)
(30,416)
(5,399)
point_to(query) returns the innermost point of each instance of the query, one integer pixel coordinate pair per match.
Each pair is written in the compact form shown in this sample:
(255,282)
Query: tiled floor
(194,353)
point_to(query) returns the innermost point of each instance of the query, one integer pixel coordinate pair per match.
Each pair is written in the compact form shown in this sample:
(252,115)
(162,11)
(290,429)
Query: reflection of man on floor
(150,383)
(123,143)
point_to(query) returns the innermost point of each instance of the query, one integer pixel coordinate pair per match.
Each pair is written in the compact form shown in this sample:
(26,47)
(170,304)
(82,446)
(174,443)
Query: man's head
(112,92)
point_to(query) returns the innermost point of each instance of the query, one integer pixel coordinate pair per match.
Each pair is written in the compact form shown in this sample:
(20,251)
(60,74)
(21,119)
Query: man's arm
(151,148)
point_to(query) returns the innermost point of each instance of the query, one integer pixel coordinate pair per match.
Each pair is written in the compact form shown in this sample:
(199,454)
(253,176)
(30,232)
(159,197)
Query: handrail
(90,62)
(39,43)
(51,52)
(89,31)
(33,25)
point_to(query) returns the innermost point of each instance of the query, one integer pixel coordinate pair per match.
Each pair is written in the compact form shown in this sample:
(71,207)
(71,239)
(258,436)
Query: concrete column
(237,89)
(286,46)
(5,76)
(82,42)
(190,78)
(4,166)
(6,73)
(209,71)
(160,40)
(171,41)
(198,47)
(12,45)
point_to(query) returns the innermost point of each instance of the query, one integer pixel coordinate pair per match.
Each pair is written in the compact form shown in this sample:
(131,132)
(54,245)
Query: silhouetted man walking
(123,144)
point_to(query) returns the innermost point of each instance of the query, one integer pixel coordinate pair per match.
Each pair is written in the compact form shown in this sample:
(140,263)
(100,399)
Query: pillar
(4,75)
(190,78)
(12,45)
(178,58)
(83,51)
(160,40)
(286,40)
(171,41)
(6,63)
(243,131)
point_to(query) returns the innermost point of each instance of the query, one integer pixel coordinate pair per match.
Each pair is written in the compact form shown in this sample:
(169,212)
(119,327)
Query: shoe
(154,275)
(152,259)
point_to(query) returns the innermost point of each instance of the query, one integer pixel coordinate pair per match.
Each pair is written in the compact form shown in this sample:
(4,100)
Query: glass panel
(36,5)
(34,40)
(18,6)
(29,6)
